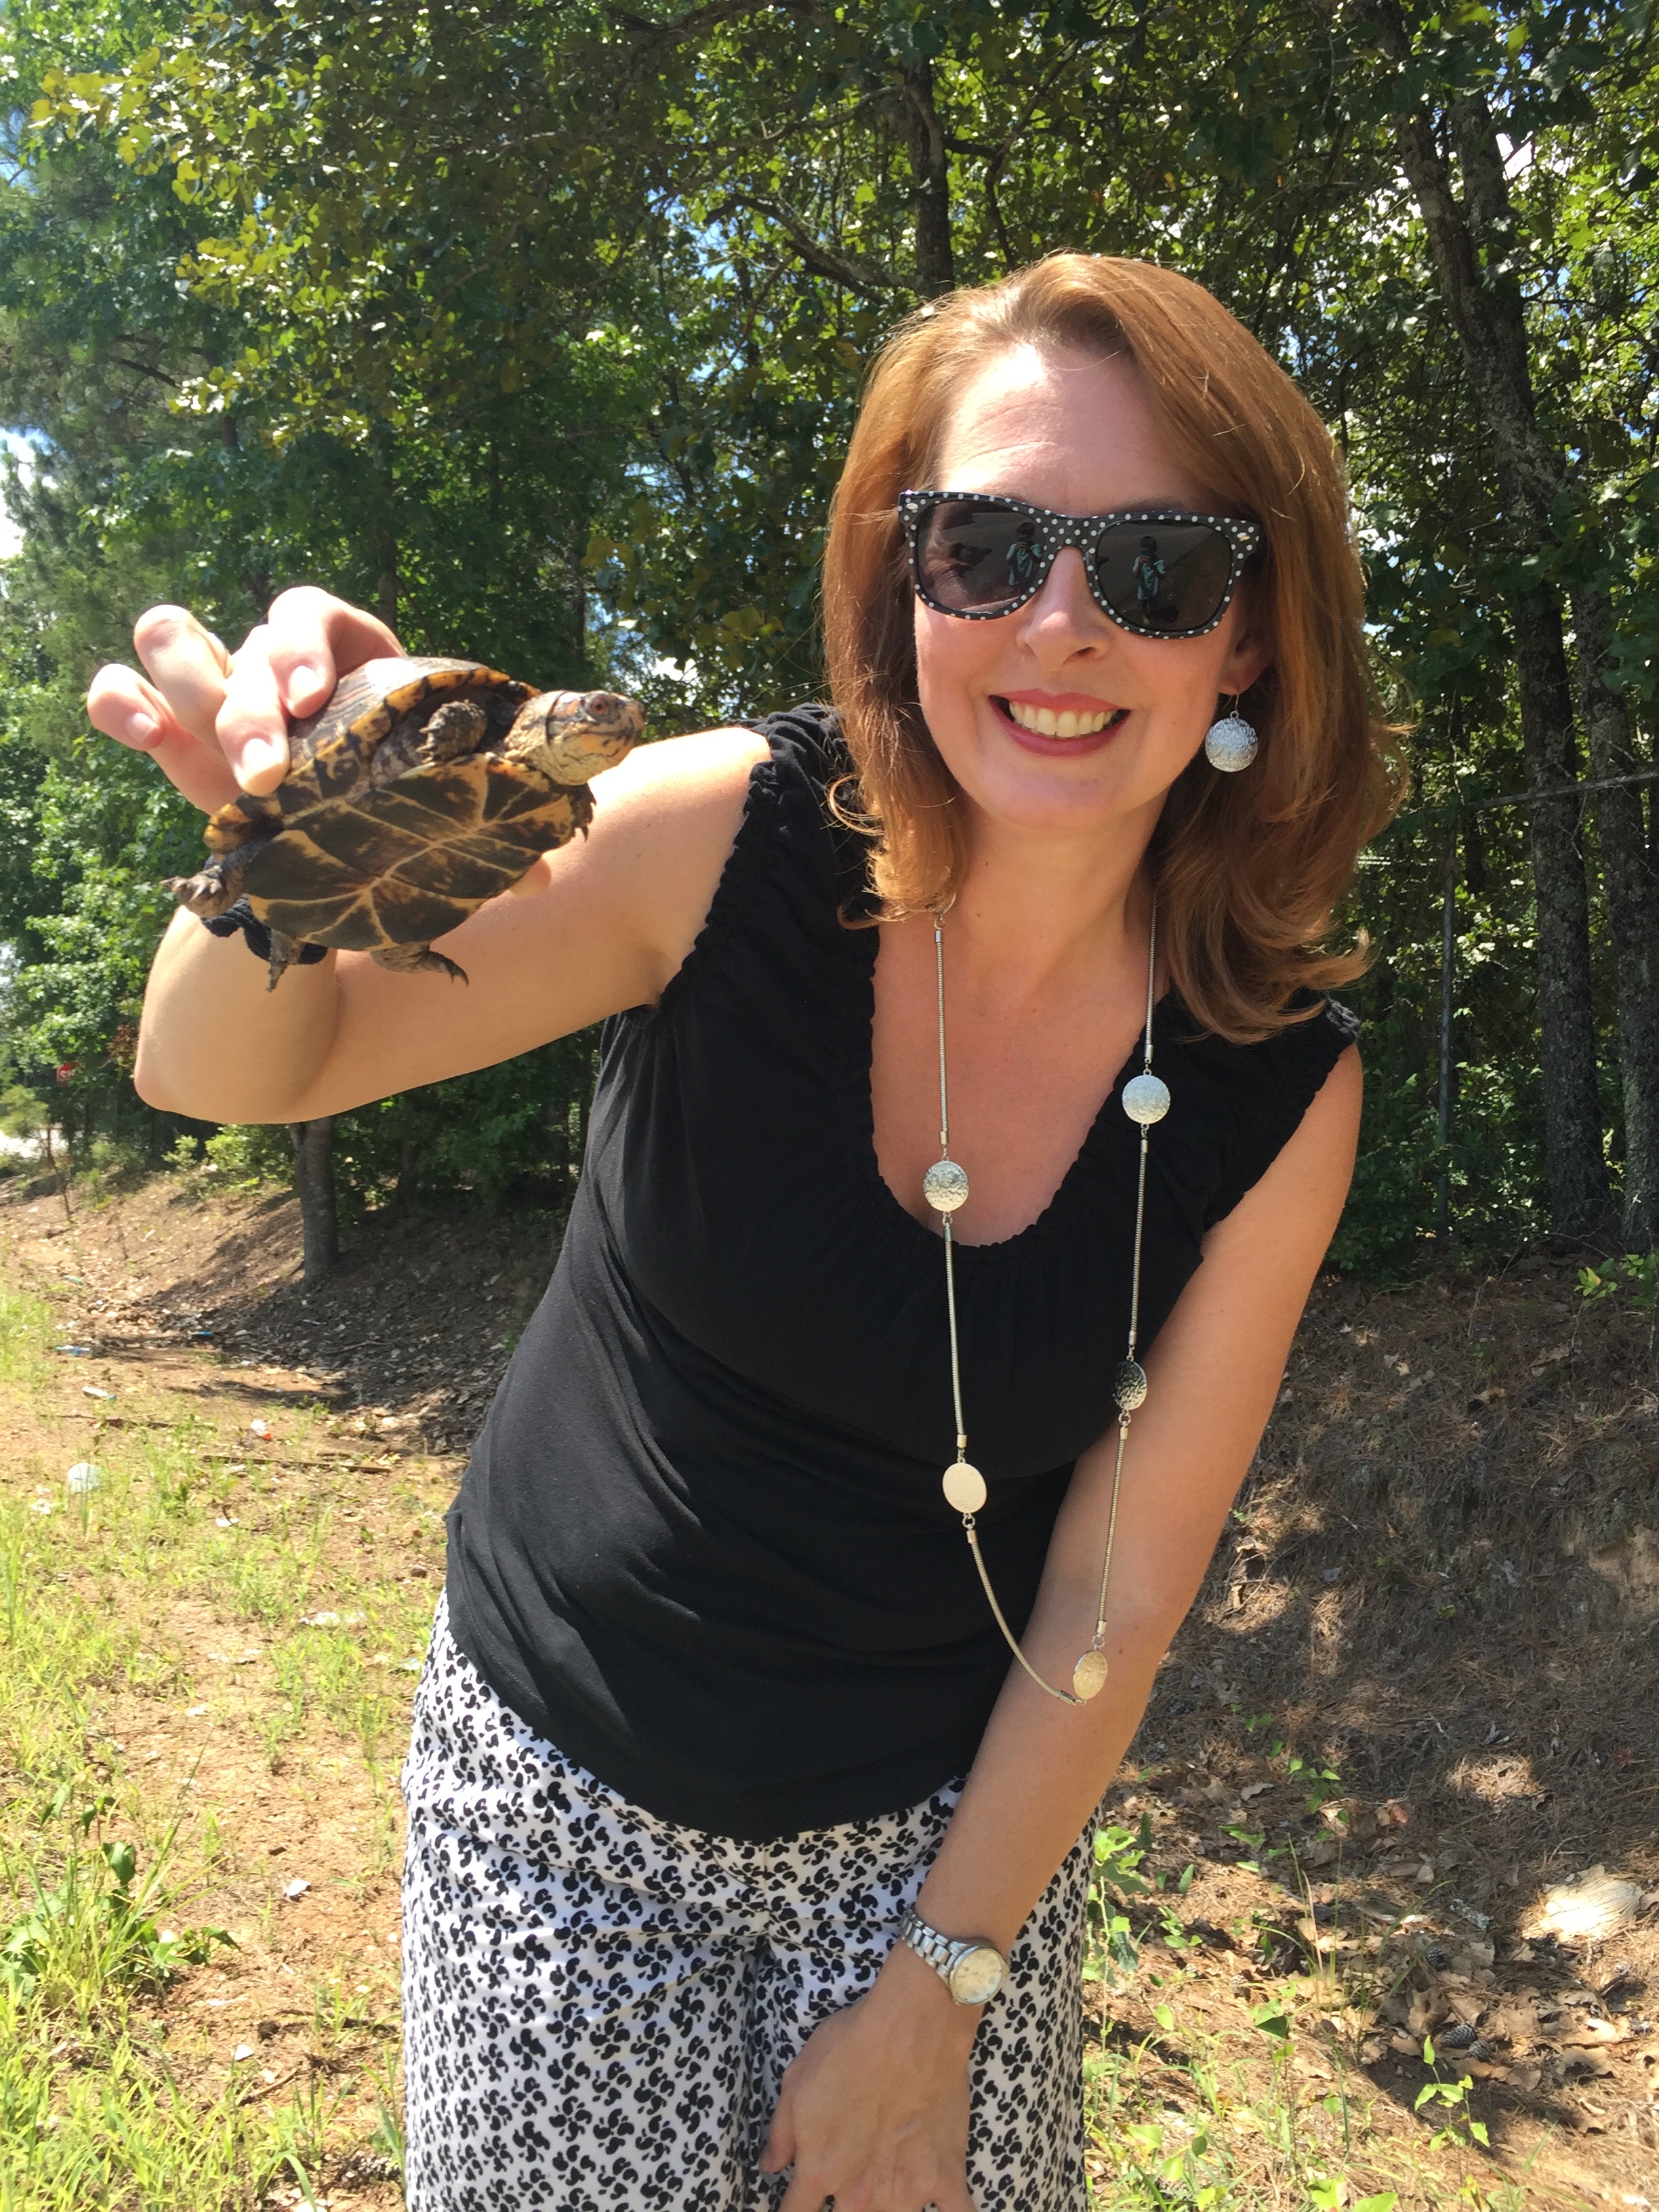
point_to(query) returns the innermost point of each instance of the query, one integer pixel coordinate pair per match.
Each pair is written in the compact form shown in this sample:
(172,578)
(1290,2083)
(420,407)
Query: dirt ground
(1407,1742)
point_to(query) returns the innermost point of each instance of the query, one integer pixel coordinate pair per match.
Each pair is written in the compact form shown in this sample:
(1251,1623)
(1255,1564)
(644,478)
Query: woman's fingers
(121,704)
(779,2149)
(226,703)
(240,706)
(253,728)
(186,664)
(313,638)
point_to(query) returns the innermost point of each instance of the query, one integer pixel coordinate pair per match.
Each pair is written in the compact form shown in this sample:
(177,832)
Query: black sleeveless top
(700,1544)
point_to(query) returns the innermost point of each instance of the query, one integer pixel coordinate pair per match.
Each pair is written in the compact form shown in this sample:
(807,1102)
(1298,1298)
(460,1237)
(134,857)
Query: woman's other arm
(614,915)
(893,2069)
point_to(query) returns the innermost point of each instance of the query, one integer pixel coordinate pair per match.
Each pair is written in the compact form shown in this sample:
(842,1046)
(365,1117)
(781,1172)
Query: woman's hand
(874,2110)
(216,721)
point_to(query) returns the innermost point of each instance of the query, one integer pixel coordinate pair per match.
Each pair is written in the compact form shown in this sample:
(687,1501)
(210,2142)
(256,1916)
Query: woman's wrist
(908,1987)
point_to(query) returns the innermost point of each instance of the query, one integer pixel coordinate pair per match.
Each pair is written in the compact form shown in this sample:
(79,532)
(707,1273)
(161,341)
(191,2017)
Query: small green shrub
(247,1155)
(93,1930)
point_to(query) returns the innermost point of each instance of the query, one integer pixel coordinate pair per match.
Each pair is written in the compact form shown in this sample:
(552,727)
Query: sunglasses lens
(1163,576)
(973,557)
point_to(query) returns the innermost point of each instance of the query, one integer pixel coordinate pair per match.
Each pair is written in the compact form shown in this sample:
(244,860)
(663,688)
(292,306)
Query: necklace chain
(1146,1101)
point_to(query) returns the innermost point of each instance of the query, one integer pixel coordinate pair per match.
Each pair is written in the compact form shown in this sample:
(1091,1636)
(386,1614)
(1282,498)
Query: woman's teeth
(1048,724)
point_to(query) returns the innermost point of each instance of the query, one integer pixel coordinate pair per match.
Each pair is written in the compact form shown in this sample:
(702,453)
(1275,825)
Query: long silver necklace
(1146,1100)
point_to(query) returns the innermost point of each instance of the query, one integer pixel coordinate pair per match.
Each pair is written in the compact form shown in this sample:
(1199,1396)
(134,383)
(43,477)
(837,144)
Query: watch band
(946,1954)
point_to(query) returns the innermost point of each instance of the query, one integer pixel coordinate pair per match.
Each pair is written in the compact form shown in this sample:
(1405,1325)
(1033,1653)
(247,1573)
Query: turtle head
(572,735)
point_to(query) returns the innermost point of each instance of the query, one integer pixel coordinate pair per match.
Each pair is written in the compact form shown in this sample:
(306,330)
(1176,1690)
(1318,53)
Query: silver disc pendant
(1145,1099)
(963,1486)
(1229,745)
(1089,1676)
(1129,1385)
(944,1187)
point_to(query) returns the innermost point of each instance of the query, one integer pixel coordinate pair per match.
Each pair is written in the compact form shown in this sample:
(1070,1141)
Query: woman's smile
(1058,722)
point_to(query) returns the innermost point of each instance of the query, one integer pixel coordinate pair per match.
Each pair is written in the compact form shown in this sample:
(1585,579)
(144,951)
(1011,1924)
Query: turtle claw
(207,893)
(284,952)
(416,960)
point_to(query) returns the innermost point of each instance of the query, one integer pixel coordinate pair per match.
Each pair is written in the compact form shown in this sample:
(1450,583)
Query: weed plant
(1183,2117)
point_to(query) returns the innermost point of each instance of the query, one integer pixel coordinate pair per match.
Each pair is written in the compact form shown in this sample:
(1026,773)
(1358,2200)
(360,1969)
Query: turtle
(422,788)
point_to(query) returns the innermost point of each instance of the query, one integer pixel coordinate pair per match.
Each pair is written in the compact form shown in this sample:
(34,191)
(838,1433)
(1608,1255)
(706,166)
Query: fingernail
(302,682)
(258,758)
(142,729)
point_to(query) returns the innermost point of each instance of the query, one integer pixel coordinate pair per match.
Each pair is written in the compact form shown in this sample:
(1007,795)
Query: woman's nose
(1063,616)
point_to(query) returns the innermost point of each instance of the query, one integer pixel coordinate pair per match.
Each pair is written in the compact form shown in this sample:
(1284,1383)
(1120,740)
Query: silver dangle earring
(1229,742)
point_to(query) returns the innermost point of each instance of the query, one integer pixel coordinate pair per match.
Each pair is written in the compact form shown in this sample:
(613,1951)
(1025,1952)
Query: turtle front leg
(416,960)
(234,840)
(457,727)
(216,887)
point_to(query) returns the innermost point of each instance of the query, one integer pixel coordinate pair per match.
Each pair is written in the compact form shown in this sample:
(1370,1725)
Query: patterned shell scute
(364,708)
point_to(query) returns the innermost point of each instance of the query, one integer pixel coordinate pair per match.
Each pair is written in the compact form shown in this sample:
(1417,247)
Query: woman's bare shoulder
(664,823)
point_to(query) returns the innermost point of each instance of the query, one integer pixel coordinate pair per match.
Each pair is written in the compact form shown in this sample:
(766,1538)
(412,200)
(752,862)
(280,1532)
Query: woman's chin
(1042,790)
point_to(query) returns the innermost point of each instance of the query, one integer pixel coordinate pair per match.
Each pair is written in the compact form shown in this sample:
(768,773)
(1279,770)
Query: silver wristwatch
(970,1967)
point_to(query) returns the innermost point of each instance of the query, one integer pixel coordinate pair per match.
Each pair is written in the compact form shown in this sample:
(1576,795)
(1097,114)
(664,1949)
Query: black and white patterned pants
(600,2005)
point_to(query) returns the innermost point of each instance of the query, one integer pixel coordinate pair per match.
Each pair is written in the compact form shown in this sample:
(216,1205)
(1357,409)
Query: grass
(137,1607)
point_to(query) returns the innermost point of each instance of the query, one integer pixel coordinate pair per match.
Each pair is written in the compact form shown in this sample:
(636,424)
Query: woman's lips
(1038,741)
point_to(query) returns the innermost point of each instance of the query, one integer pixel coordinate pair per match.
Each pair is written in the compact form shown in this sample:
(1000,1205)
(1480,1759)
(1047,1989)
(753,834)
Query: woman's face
(1077,436)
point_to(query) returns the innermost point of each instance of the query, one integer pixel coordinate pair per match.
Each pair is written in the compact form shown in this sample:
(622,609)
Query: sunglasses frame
(1056,531)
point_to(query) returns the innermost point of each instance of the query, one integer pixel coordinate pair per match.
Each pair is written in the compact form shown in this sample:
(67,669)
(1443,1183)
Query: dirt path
(1417,1695)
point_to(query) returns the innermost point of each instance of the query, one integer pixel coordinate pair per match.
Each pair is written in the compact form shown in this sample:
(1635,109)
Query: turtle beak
(571,736)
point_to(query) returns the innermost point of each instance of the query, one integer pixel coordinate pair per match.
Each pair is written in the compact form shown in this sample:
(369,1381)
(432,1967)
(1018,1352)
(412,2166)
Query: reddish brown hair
(1247,868)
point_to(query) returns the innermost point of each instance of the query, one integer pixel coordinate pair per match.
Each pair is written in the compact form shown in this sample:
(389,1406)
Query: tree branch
(813,254)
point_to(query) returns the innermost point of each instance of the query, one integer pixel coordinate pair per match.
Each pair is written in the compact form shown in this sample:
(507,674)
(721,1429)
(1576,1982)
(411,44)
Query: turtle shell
(401,812)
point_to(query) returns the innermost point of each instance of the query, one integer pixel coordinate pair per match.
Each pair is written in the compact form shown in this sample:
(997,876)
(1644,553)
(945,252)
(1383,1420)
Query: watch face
(978,1977)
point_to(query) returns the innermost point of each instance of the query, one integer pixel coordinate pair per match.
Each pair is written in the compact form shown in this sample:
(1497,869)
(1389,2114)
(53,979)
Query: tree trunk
(313,1178)
(409,1173)
(1448,1006)
(1632,892)
(930,165)
(386,593)
(1566,1022)
(1485,306)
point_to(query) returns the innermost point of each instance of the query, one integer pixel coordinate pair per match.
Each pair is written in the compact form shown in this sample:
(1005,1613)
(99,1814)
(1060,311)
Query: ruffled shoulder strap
(810,759)
(1261,1092)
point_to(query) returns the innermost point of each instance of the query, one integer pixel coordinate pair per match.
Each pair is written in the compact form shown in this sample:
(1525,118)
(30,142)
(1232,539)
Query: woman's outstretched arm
(874,2110)
(614,913)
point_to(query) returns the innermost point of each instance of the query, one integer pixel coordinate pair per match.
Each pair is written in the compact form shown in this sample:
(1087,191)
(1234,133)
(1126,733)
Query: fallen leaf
(1395,1813)
(1591,2033)
(1589,1908)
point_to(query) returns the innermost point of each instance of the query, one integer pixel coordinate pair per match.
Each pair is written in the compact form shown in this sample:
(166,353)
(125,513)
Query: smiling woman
(966,1070)
(1183,408)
